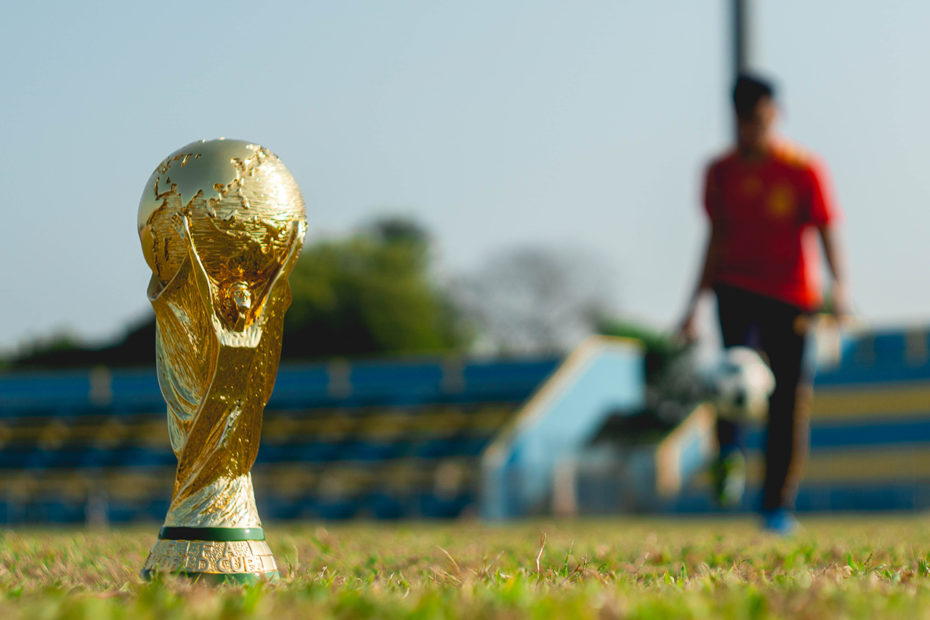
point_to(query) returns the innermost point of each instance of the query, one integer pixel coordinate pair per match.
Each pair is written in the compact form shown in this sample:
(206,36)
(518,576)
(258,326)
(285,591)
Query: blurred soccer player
(767,202)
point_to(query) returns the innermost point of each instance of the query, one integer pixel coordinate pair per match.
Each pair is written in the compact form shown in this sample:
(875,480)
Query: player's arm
(687,329)
(824,215)
(835,254)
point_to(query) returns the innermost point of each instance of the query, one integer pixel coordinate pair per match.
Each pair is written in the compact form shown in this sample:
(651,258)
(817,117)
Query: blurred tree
(368,294)
(59,344)
(535,299)
(135,348)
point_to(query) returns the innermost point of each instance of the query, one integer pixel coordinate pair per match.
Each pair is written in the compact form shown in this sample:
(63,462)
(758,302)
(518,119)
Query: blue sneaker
(780,522)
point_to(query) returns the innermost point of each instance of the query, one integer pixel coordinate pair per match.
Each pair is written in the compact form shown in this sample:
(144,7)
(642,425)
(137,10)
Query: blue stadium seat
(337,509)
(435,448)
(301,387)
(125,511)
(396,384)
(95,457)
(505,381)
(346,403)
(370,451)
(280,453)
(129,455)
(385,505)
(155,509)
(472,446)
(319,452)
(16,456)
(55,510)
(41,393)
(69,457)
(136,391)
(434,507)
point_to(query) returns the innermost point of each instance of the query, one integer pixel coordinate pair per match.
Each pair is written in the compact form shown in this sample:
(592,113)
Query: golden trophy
(222,223)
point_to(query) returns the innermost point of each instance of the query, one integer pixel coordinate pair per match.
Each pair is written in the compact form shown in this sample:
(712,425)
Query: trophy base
(212,554)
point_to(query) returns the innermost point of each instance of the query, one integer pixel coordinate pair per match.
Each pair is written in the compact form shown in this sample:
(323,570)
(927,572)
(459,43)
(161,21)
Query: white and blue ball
(740,383)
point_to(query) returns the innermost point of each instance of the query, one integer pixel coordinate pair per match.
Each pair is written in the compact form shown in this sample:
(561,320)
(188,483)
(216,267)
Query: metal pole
(740,16)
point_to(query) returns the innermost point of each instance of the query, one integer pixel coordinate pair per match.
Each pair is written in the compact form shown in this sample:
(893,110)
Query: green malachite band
(218,578)
(213,534)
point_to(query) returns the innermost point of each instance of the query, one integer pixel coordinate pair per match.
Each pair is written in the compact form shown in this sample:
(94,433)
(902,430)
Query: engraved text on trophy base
(198,556)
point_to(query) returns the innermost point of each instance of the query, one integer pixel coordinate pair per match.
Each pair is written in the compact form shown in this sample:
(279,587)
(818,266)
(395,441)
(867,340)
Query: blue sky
(575,124)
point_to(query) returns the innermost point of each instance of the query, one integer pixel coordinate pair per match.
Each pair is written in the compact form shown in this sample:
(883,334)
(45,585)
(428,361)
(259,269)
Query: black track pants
(779,331)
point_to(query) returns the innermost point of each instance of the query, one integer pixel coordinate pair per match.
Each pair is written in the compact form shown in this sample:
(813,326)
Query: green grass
(643,568)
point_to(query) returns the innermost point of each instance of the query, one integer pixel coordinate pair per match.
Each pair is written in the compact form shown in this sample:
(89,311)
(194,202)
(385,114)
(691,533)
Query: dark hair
(748,90)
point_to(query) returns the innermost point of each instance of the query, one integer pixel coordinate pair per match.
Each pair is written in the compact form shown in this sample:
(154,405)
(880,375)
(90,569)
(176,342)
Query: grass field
(837,567)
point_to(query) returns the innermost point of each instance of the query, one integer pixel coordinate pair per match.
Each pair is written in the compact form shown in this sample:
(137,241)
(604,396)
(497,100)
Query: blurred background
(488,185)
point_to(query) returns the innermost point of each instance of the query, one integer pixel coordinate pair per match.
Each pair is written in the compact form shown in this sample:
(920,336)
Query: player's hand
(839,298)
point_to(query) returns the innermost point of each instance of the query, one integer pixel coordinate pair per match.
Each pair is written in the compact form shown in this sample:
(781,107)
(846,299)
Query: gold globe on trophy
(222,223)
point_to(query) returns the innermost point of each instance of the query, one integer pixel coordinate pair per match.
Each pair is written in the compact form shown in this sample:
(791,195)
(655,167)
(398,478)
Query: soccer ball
(740,384)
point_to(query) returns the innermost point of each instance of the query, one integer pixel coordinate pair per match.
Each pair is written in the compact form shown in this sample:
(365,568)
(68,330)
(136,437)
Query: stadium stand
(409,438)
(385,439)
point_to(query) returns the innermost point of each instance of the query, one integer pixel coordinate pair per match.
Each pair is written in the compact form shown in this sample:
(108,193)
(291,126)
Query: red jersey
(765,214)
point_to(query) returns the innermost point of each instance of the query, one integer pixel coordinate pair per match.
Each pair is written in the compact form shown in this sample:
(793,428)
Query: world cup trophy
(222,223)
